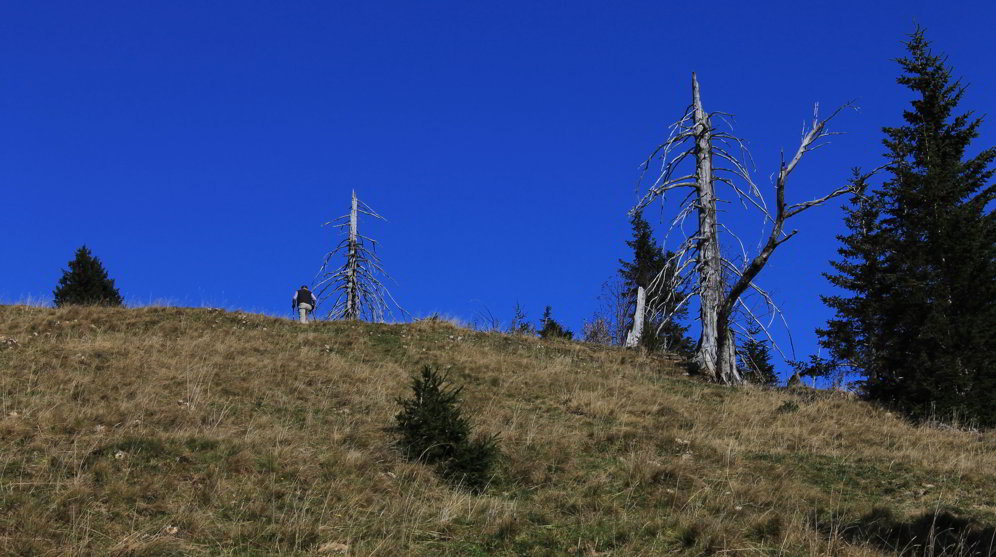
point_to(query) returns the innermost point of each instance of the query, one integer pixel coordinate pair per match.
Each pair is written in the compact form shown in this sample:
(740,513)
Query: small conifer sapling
(86,283)
(755,359)
(433,430)
(551,329)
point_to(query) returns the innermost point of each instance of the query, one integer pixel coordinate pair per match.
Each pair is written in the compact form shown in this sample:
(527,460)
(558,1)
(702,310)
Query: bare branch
(800,207)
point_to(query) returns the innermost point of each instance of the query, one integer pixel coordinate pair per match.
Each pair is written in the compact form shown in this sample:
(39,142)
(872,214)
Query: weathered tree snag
(698,259)
(351,311)
(633,339)
(710,264)
(358,292)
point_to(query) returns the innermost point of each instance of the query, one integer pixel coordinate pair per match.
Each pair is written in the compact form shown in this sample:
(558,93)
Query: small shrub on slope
(433,431)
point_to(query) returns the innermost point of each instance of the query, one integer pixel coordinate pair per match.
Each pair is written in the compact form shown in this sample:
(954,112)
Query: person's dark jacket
(304,296)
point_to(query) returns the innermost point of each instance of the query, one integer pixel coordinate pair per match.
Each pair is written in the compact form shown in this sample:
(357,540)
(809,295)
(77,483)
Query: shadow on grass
(939,533)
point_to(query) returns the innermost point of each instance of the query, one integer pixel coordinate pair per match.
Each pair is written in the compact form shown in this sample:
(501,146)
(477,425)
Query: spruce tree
(921,323)
(433,429)
(647,263)
(86,283)
(755,359)
(851,335)
(520,322)
(551,329)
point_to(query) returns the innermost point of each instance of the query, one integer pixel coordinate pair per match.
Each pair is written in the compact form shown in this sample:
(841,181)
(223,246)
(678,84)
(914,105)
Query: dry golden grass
(167,431)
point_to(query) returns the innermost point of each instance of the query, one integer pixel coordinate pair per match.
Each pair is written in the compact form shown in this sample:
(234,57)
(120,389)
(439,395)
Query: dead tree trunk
(633,339)
(351,312)
(711,355)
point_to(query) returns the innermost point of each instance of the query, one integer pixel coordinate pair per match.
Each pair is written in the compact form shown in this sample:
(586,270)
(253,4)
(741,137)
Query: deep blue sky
(197,147)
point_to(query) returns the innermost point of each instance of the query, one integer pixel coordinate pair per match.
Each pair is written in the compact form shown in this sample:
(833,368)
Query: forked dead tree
(358,290)
(699,260)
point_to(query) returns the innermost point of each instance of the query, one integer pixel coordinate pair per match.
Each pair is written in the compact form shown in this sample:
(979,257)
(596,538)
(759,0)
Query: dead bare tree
(698,259)
(612,309)
(359,293)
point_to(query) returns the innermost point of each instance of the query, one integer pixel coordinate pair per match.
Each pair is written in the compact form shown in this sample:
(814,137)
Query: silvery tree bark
(698,260)
(352,263)
(358,290)
(709,265)
(636,333)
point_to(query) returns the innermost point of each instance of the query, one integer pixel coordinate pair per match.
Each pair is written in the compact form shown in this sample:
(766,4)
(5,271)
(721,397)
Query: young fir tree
(755,359)
(648,262)
(924,286)
(433,429)
(551,329)
(520,322)
(86,283)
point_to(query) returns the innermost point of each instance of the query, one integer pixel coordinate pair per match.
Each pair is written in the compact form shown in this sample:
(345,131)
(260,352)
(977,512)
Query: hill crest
(156,431)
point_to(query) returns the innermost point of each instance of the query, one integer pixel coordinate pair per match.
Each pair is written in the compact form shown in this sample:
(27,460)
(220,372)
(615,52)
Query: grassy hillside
(167,431)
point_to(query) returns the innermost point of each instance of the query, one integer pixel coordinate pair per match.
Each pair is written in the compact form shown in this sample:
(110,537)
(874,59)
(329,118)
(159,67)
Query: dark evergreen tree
(520,322)
(648,261)
(852,334)
(86,283)
(433,430)
(755,359)
(922,315)
(551,329)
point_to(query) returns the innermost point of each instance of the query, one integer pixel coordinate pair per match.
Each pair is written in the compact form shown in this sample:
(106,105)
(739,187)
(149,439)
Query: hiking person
(304,301)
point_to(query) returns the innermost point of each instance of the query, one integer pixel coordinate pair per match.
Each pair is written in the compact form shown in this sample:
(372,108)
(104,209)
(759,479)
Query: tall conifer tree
(86,283)
(921,324)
